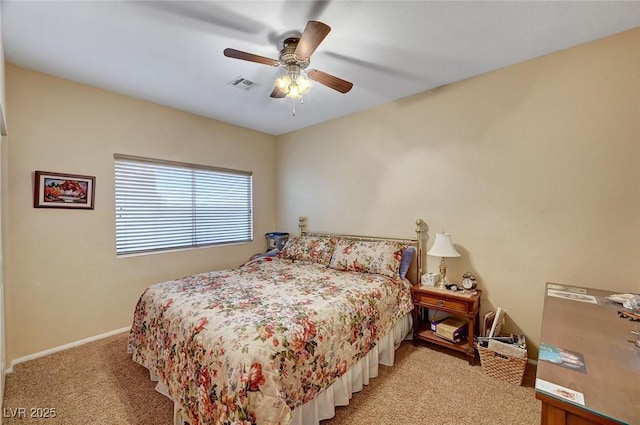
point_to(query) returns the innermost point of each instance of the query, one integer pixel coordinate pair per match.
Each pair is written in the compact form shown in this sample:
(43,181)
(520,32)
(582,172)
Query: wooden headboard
(416,268)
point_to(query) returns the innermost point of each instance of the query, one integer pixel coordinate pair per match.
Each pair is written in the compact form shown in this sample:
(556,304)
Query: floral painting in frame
(60,190)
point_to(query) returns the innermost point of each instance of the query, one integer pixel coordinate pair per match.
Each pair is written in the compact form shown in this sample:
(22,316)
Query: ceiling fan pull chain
(294,107)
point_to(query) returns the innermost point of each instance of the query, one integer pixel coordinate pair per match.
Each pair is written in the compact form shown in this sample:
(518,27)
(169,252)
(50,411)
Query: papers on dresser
(560,391)
(573,296)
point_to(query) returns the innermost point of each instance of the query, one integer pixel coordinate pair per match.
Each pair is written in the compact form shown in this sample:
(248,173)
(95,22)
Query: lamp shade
(443,247)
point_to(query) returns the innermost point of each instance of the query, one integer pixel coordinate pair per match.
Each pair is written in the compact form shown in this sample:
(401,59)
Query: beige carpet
(97,383)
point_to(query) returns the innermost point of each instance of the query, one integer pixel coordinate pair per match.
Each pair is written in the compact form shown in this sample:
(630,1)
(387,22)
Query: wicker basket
(500,366)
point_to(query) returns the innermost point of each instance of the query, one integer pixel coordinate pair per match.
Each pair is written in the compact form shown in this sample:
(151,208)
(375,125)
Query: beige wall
(63,281)
(533,169)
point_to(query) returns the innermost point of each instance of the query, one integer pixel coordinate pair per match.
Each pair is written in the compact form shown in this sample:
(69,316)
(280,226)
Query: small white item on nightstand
(429,279)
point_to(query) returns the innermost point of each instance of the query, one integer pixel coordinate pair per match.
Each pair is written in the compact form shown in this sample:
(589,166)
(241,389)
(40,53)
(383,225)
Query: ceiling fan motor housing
(288,57)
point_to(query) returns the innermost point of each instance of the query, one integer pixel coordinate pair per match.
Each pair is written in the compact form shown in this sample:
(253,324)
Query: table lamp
(442,247)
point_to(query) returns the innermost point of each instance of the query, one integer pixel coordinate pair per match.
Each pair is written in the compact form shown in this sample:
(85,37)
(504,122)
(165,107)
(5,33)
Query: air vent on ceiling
(242,83)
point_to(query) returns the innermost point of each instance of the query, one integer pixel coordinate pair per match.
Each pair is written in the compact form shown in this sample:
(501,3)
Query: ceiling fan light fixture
(303,83)
(294,84)
(283,83)
(294,93)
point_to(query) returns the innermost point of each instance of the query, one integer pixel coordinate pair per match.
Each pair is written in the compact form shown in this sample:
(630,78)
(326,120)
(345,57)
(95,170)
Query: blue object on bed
(405,262)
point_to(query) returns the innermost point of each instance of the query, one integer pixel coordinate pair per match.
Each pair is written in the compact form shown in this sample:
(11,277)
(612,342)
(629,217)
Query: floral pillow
(381,257)
(308,248)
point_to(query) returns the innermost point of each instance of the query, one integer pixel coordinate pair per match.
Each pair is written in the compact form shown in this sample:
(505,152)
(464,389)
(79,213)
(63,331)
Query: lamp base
(443,273)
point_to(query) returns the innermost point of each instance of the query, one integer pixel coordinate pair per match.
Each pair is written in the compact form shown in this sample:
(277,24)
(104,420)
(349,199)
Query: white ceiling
(170,52)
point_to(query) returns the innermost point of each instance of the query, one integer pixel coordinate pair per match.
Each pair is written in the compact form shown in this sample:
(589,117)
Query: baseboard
(64,347)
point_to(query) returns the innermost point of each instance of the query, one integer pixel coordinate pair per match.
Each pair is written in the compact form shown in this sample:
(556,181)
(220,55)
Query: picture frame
(62,190)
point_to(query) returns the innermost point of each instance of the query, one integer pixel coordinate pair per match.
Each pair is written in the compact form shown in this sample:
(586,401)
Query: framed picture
(59,190)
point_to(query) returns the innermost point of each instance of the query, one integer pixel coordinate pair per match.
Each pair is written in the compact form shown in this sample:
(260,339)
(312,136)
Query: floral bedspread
(248,345)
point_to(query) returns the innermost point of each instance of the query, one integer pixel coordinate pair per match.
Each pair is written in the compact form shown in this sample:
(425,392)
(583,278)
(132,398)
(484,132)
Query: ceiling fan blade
(311,38)
(309,10)
(277,94)
(207,13)
(237,54)
(317,8)
(330,81)
(396,71)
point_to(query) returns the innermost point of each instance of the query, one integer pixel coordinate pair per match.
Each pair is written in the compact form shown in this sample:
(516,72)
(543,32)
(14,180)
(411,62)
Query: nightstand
(458,304)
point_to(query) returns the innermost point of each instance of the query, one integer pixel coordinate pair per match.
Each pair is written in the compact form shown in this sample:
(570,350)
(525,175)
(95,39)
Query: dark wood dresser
(610,379)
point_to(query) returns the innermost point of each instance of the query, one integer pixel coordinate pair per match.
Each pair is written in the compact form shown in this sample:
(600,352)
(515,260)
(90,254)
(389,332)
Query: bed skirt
(339,393)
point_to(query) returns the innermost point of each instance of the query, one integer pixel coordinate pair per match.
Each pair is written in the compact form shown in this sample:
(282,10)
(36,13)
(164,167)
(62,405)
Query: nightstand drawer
(436,302)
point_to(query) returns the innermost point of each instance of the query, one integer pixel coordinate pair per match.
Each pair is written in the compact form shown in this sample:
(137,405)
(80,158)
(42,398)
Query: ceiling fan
(295,58)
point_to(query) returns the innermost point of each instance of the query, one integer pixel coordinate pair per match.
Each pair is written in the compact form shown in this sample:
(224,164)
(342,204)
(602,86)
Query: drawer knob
(441,303)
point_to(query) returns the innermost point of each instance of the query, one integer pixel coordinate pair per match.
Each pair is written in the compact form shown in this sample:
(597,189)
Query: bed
(279,340)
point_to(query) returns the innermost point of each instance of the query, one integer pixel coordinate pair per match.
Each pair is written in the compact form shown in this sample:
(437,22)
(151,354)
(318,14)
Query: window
(163,205)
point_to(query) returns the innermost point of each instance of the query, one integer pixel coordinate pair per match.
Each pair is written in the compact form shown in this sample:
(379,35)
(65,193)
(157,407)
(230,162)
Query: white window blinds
(164,205)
